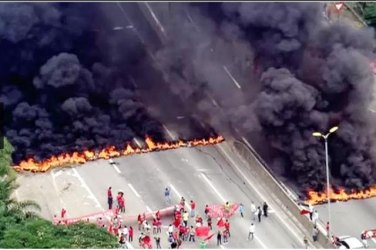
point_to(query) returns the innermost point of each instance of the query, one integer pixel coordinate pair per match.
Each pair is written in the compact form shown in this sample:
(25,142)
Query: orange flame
(66,159)
(340,195)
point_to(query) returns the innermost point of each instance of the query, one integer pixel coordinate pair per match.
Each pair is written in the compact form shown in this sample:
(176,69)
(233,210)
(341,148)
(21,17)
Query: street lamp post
(318,134)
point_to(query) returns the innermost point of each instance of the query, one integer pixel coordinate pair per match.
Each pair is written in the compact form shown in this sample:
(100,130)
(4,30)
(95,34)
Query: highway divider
(283,197)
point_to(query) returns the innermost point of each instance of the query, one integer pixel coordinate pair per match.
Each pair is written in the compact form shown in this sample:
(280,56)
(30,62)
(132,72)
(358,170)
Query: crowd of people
(182,228)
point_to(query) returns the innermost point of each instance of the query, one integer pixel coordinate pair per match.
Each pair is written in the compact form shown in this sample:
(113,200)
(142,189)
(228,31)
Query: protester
(315,233)
(265,209)
(159,226)
(182,202)
(158,242)
(139,221)
(122,240)
(227,227)
(241,210)
(227,207)
(259,213)
(193,207)
(253,210)
(185,218)
(167,195)
(170,229)
(109,198)
(305,240)
(251,233)
(206,211)
(219,238)
(155,226)
(130,232)
(225,236)
(192,234)
(327,227)
(315,217)
(210,223)
(310,209)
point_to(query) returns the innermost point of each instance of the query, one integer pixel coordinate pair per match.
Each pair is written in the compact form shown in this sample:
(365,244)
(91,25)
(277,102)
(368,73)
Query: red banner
(202,231)
(218,210)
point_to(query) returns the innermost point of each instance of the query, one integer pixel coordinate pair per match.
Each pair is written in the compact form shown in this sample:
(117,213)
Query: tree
(20,227)
(367,10)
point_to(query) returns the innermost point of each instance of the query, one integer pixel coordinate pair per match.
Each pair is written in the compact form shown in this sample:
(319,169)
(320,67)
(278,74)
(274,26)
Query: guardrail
(283,196)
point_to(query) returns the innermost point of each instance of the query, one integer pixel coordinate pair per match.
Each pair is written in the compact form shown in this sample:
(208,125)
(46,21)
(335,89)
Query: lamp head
(334,129)
(316,134)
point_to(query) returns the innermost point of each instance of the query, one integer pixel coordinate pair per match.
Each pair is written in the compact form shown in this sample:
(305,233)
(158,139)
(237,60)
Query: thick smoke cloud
(275,72)
(298,74)
(60,93)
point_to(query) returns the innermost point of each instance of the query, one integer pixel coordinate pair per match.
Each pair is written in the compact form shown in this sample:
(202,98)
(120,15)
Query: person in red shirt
(109,198)
(63,212)
(159,226)
(158,215)
(122,204)
(193,207)
(155,226)
(181,231)
(130,233)
(139,221)
(227,227)
(206,211)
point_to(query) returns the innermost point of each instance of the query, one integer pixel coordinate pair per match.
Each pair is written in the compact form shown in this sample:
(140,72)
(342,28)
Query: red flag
(221,223)
(202,231)
(208,238)
(304,211)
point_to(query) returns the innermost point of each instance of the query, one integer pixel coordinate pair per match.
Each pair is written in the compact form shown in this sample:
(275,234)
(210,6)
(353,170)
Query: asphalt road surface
(351,218)
(201,174)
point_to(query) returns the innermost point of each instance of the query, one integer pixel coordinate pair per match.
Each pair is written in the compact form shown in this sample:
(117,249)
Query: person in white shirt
(170,229)
(253,211)
(125,232)
(251,233)
(315,217)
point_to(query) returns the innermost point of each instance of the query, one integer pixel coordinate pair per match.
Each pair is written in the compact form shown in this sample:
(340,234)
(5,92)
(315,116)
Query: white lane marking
(134,190)
(55,186)
(116,168)
(85,186)
(179,195)
(223,200)
(214,189)
(374,240)
(126,18)
(259,194)
(169,132)
(149,209)
(155,18)
(232,78)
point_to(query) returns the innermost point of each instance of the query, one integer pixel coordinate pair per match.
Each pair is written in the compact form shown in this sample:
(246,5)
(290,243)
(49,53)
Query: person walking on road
(158,242)
(167,195)
(206,211)
(110,200)
(259,213)
(310,209)
(265,209)
(241,210)
(192,234)
(130,232)
(315,234)
(210,223)
(225,236)
(315,217)
(227,227)
(193,207)
(305,240)
(253,211)
(185,218)
(219,238)
(327,227)
(251,233)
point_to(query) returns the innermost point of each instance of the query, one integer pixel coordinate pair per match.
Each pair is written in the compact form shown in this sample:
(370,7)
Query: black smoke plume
(298,73)
(64,86)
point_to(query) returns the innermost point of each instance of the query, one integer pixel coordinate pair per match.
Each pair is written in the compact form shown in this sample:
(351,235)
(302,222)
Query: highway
(202,174)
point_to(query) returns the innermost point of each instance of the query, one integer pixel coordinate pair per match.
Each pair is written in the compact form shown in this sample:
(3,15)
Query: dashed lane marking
(133,190)
(212,186)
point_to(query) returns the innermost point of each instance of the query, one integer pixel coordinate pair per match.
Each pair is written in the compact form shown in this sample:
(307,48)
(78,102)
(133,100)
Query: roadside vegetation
(21,227)
(367,10)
